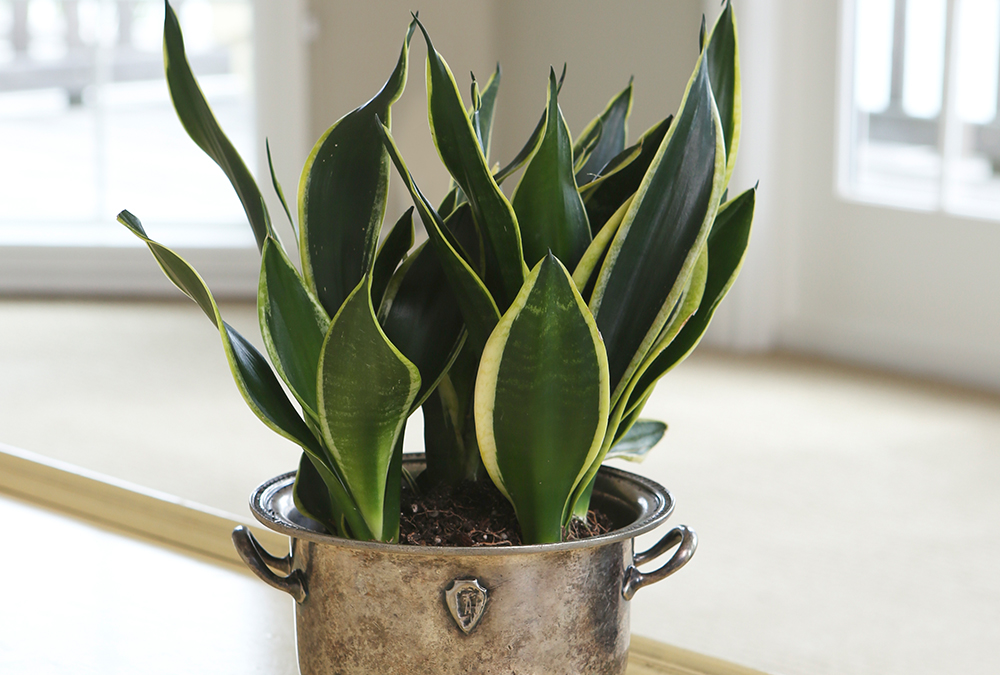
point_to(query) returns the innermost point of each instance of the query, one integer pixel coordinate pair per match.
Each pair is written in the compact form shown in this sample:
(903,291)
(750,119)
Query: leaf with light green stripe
(342,195)
(723,54)
(727,245)
(610,129)
(549,210)
(292,323)
(366,390)
(649,264)
(459,149)
(529,148)
(598,249)
(478,308)
(487,111)
(199,122)
(277,187)
(542,400)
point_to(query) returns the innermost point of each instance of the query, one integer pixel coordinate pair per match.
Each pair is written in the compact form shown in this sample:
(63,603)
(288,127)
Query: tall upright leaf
(542,400)
(660,239)
(199,122)
(459,149)
(366,390)
(611,131)
(727,245)
(549,210)
(723,54)
(342,194)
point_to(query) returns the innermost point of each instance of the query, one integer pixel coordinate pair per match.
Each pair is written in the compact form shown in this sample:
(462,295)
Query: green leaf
(650,262)
(549,210)
(528,151)
(292,324)
(421,316)
(277,187)
(478,308)
(199,122)
(459,149)
(605,136)
(727,244)
(366,390)
(254,377)
(542,400)
(638,441)
(342,195)
(392,251)
(487,110)
(312,497)
(723,56)
(622,176)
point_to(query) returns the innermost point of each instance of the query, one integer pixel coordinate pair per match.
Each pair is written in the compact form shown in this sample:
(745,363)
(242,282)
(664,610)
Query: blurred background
(836,439)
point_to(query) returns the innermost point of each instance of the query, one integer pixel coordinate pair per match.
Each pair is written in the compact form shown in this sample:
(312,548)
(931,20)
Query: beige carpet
(849,521)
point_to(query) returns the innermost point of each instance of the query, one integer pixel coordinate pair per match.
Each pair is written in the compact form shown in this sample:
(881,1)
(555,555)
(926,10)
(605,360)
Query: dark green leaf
(622,177)
(549,210)
(460,152)
(529,148)
(638,440)
(727,244)
(487,110)
(395,247)
(660,239)
(202,127)
(541,402)
(277,186)
(610,129)
(342,195)
(478,308)
(723,56)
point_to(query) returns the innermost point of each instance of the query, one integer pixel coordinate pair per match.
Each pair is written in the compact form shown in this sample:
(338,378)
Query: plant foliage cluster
(531,329)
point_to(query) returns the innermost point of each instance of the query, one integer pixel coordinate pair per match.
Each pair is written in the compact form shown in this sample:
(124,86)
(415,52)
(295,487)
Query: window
(919,105)
(88,129)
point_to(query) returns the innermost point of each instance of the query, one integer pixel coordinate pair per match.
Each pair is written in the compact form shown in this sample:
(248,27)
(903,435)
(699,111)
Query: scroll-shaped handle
(258,560)
(685,540)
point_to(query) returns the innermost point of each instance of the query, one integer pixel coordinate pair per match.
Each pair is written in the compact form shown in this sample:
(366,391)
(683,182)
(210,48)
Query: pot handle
(685,540)
(258,560)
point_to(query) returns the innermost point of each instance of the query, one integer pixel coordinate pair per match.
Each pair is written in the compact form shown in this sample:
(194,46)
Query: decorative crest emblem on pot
(466,600)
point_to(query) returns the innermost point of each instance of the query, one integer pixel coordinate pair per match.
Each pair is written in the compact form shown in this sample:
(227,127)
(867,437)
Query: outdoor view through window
(88,129)
(920,114)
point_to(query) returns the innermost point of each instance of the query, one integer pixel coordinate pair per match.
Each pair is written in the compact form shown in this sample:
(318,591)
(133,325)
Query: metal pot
(367,608)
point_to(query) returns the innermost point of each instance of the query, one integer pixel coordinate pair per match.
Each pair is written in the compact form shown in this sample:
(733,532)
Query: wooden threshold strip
(125,506)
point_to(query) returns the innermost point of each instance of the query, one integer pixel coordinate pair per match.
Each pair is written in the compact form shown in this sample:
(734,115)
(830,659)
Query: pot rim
(655,504)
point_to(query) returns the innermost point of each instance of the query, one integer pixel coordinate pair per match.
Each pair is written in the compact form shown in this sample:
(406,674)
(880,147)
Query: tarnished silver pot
(365,608)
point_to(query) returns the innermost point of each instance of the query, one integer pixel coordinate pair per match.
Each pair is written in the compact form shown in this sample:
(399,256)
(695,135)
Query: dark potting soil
(473,514)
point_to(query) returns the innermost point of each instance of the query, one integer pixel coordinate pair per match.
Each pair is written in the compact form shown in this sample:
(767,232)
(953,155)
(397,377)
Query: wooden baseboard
(649,657)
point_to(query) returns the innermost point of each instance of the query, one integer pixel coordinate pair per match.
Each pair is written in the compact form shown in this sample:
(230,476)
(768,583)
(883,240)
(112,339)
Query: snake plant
(531,329)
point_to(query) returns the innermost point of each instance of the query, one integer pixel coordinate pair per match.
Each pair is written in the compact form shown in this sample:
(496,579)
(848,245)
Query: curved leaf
(610,129)
(549,210)
(478,308)
(199,122)
(277,187)
(598,249)
(366,390)
(459,149)
(292,324)
(342,195)
(487,111)
(649,264)
(544,368)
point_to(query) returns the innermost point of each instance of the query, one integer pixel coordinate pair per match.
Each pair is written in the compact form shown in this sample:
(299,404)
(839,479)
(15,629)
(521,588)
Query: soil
(473,514)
